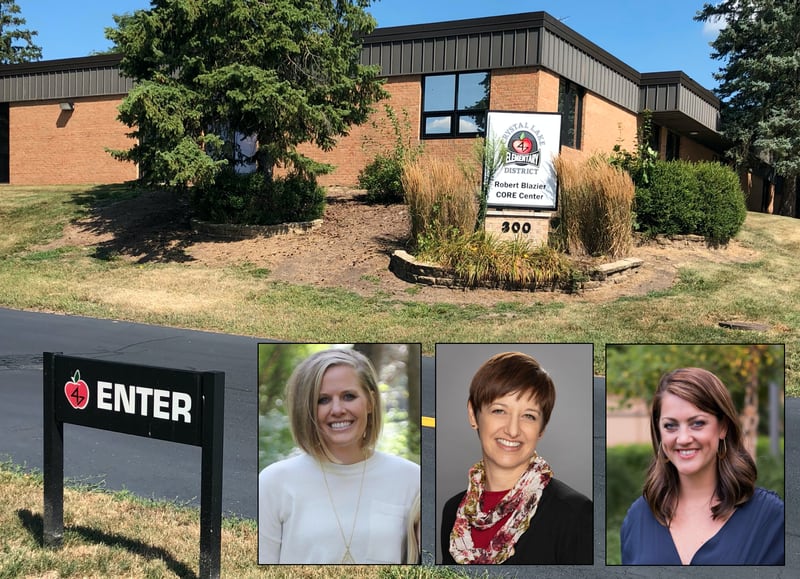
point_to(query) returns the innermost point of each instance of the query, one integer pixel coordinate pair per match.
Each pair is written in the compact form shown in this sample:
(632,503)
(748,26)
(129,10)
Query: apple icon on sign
(523,145)
(77,392)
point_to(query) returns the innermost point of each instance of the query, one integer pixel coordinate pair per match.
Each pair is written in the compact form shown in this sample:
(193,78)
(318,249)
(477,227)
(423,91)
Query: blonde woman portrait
(337,499)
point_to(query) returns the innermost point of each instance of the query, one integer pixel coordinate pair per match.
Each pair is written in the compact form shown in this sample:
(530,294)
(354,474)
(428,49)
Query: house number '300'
(516,227)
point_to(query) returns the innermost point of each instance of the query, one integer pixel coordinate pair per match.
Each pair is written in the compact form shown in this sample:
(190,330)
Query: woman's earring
(722,451)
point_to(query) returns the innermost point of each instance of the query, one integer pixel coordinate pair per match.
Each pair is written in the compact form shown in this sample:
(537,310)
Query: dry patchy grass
(117,535)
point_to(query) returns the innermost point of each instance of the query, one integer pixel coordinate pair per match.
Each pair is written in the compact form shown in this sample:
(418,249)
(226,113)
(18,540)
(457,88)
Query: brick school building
(58,118)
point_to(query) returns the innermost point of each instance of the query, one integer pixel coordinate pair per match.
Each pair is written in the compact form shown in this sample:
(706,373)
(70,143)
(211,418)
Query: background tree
(633,371)
(16,43)
(210,72)
(759,46)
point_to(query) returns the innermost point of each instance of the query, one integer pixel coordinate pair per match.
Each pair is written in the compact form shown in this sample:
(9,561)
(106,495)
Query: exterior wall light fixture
(66,106)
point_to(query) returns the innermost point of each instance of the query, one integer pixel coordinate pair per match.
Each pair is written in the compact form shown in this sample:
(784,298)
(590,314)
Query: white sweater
(296,521)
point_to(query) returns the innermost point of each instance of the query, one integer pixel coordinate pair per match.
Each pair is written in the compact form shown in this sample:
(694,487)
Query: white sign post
(522,189)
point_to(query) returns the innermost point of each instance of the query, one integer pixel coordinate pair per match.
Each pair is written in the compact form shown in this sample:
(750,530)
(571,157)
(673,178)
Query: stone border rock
(407,268)
(686,240)
(232,231)
(614,272)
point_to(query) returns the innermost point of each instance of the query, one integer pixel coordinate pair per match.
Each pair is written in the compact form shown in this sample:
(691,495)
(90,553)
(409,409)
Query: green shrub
(670,203)
(382,178)
(626,466)
(722,201)
(771,469)
(253,199)
(639,163)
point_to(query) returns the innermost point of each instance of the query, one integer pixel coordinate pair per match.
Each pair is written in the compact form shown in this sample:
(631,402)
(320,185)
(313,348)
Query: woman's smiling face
(342,410)
(509,429)
(690,437)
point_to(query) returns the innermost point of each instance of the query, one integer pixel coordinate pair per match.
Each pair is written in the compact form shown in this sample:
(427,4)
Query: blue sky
(649,35)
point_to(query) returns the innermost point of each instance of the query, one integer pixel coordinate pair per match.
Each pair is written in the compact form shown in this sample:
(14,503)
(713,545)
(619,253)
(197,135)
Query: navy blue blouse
(753,535)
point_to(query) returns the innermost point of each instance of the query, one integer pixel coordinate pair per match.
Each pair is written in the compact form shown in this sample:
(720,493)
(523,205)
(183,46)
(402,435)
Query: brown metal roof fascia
(526,20)
(61,65)
(680,77)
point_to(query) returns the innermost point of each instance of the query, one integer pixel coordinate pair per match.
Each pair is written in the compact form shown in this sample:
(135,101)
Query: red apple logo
(77,391)
(522,145)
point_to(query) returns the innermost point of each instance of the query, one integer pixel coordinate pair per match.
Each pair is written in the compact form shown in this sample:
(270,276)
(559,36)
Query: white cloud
(712,26)
(467,125)
(438,125)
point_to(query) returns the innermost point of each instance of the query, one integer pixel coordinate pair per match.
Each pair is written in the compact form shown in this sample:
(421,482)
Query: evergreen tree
(16,44)
(759,46)
(209,72)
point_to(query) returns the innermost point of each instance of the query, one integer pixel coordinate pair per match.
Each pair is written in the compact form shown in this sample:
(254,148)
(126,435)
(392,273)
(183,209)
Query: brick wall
(605,125)
(694,151)
(547,99)
(377,135)
(514,89)
(518,89)
(48,146)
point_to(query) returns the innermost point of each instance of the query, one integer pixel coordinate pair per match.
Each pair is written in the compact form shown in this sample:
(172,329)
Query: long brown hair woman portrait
(700,504)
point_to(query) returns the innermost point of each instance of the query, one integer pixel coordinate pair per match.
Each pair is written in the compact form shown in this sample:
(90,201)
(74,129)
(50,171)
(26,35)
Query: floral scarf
(520,502)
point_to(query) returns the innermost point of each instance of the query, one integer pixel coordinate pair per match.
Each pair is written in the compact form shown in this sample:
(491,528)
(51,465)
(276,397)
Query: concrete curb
(232,231)
(407,268)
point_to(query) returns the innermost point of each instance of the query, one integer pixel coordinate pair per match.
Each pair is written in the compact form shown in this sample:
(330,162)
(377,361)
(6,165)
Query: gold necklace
(348,556)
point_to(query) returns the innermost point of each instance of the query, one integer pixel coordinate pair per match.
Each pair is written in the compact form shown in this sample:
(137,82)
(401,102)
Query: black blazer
(561,532)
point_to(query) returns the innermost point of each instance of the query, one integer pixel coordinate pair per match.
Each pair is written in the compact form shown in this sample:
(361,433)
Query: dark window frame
(673,149)
(455,114)
(565,88)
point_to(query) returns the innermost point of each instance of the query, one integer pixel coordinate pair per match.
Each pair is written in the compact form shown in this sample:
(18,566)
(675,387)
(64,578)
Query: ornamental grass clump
(480,259)
(595,214)
(444,206)
(441,199)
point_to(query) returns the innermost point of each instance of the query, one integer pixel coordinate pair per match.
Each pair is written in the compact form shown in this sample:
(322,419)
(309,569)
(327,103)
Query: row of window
(455,105)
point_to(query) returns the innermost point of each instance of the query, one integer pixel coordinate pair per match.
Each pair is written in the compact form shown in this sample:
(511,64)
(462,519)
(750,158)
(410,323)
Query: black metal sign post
(164,403)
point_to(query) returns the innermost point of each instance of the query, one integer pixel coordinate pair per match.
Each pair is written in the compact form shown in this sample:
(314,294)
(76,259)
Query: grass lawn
(119,535)
(235,299)
(156,539)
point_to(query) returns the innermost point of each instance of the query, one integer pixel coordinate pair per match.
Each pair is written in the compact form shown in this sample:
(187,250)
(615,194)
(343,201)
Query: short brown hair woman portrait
(700,504)
(339,500)
(514,510)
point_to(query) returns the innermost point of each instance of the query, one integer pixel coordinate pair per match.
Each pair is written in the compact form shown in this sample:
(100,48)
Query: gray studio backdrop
(567,441)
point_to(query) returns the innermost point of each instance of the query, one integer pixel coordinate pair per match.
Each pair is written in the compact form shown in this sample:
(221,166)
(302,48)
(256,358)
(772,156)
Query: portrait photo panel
(695,469)
(536,402)
(339,453)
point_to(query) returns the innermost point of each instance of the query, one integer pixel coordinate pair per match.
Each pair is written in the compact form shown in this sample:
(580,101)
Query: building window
(454,105)
(673,146)
(654,140)
(570,105)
